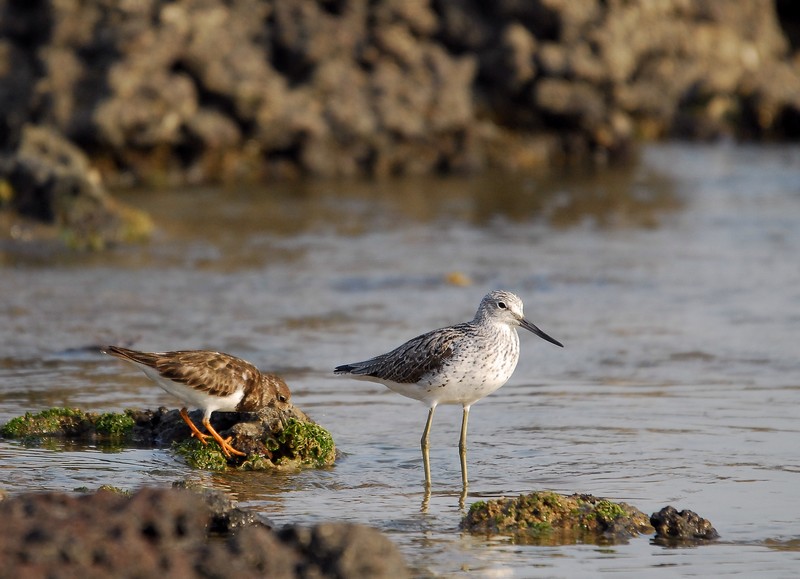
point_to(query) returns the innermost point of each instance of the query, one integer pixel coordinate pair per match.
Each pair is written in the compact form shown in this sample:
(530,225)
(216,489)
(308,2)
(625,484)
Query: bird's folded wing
(213,372)
(412,361)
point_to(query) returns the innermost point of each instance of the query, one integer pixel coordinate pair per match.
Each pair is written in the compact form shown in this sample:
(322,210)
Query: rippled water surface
(674,284)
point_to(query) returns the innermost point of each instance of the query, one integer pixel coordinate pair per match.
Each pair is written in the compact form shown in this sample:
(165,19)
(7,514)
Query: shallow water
(673,283)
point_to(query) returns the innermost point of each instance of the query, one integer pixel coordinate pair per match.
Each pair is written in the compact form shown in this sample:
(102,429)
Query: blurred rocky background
(204,91)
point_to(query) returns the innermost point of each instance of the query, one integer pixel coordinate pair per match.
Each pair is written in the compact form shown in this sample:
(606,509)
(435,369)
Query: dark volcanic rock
(158,532)
(686,525)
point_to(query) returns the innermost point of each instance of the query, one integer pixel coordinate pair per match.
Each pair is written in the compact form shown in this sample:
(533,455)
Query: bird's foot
(201,437)
(227,449)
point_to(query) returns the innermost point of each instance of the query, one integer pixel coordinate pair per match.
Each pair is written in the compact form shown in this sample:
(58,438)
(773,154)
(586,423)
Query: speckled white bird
(454,365)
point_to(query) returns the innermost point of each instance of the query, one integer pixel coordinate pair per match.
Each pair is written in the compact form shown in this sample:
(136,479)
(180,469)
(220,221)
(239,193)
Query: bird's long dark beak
(532,328)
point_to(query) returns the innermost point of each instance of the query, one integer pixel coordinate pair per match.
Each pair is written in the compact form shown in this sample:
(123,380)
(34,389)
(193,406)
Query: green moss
(114,490)
(556,519)
(114,424)
(53,421)
(539,529)
(271,444)
(199,455)
(607,512)
(306,442)
(298,443)
(68,423)
(477,506)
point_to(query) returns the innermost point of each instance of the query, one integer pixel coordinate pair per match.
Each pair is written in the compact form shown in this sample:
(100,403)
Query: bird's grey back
(424,355)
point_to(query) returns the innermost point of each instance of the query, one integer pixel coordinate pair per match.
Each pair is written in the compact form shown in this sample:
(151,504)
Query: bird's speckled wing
(213,372)
(409,363)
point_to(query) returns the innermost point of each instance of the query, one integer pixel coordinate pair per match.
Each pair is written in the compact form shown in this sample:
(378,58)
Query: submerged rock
(553,519)
(673,526)
(278,436)
(166,532)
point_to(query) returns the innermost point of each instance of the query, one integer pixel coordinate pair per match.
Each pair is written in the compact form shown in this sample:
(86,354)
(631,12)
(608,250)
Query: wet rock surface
(196,91)
(165,532)
(551,519)
(673,526)
(279,435)
(547,518)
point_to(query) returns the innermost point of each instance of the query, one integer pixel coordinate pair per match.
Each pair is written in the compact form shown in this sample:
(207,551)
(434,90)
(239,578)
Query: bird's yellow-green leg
(462,448)
(425,444)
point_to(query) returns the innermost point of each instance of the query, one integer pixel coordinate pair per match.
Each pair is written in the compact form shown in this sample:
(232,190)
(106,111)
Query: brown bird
(209,381)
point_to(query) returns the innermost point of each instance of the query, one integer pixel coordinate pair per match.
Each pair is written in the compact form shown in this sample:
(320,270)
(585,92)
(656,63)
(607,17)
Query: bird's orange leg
(224,444)
(195,431)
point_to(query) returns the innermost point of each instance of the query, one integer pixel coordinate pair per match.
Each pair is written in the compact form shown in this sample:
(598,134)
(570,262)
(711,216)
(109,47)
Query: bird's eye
(501,305)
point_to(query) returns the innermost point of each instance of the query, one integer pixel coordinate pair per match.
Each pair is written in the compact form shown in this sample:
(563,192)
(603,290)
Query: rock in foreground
(165,532)
(551,519)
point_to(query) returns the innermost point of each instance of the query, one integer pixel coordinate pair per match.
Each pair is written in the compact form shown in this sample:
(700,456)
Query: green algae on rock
(201,456)
(306,443)
(552,519)
(278,436)
(295,443)
(115,424)
(68,423)
(50,422)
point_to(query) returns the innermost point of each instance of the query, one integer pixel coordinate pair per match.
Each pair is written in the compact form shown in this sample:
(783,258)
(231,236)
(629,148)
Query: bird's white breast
(192,397)
(470,374)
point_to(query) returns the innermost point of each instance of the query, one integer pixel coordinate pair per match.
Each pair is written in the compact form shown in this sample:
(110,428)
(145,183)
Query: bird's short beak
(532,328)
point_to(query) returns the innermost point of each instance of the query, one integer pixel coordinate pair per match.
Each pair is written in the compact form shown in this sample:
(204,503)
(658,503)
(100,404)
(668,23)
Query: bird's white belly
(455,386)
(472,372)
(192,397)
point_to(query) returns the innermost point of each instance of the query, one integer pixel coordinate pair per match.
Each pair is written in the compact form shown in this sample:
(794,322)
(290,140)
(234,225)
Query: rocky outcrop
(208,90)
(279,436)
(547,518)
(604,73)
(552,519)
(55,193)
(681,527)
(171,532)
